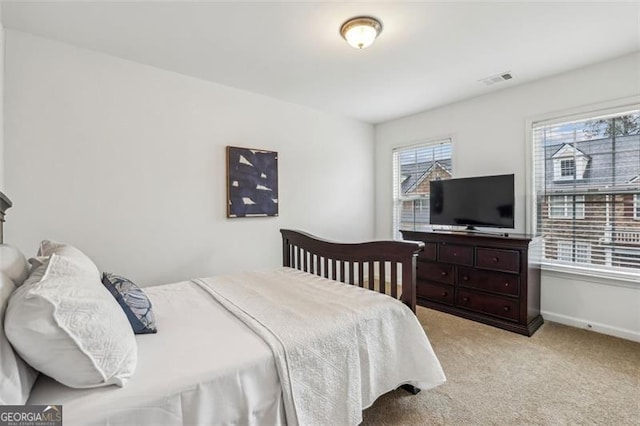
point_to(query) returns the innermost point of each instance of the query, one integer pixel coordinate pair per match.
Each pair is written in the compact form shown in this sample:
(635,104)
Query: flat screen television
(485,201)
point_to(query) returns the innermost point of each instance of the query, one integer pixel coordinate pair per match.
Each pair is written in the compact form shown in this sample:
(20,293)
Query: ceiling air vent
(498,78)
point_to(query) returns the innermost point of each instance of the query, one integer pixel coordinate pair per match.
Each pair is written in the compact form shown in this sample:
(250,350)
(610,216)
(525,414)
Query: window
(579,252)
(566,207)
(568,168)
(586,190)
(413,168)
(569,164)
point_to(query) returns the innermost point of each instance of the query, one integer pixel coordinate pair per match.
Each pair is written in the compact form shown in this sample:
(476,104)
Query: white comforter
(333,349)
(337,347)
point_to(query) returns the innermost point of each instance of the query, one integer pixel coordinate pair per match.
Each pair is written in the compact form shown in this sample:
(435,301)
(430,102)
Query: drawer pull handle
(465,299)
(506,284)
(443,273)
(455,254)
(465,278)
(495,259)
(445,294)
(507,309)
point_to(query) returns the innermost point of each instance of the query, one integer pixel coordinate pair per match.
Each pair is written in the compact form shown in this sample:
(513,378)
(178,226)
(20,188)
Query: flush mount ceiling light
(361,31)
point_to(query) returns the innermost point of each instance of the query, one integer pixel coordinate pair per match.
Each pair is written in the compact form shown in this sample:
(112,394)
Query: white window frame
(557,169)
(636,206)
(400,199)
(564,161)
(567,207)
(616,278)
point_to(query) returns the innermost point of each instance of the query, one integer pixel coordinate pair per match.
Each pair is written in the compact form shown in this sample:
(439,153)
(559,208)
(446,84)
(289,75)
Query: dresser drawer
(497,282)
(429,252)
(499,260)
(492,305)
(451,253)
(436,292)
(434,272)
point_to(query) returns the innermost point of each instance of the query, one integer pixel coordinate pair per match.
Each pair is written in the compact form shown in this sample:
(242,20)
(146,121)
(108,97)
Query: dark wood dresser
(493,279)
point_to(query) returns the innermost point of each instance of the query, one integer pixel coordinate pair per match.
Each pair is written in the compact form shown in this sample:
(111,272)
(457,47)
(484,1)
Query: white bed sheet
(203,367)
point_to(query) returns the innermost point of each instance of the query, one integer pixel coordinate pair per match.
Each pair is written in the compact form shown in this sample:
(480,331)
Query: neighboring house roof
(417,172)
(568,150)
(603,156)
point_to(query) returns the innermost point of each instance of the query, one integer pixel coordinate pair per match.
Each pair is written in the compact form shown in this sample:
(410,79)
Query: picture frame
(252,182)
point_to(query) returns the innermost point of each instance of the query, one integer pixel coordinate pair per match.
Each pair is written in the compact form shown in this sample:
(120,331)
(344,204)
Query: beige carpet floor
(559,376)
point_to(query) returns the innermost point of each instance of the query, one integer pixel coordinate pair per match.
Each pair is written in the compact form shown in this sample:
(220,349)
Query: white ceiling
(429,53)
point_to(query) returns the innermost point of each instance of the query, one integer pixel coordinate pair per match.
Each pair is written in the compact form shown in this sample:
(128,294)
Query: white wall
(489,138)
(1,102)
(127,162)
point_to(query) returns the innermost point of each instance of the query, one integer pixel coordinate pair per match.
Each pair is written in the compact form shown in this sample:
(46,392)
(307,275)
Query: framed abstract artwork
(252,182)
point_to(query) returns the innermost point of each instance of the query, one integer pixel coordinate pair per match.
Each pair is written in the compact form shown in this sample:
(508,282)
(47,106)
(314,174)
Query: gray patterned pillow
(133,301)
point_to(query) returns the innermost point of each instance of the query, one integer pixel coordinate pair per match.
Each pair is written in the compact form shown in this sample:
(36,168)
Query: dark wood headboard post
(5,203)
(409,295)
(286,250)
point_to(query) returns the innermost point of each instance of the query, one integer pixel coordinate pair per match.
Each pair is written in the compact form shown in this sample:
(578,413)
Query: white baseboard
(593,326)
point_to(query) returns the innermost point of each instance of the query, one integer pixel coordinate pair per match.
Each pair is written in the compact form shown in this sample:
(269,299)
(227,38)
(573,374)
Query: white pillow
(38,268)
(17,375)
(47,248)
(69,327)
(13,263)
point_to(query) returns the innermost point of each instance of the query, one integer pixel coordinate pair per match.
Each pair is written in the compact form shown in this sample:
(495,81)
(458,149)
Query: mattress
(204,366)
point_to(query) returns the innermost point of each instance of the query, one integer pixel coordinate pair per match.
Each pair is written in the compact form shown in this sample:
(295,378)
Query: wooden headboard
(356,264)
(5,203)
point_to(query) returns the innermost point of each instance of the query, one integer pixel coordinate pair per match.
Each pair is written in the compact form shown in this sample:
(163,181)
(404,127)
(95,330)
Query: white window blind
(587,181)
(566,206)
(413,168)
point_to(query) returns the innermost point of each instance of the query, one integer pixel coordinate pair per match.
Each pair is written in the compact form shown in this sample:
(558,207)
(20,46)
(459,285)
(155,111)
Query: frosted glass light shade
(360,32)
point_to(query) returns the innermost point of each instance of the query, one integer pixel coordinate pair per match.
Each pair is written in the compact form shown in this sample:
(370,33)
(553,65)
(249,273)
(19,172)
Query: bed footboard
(376,265)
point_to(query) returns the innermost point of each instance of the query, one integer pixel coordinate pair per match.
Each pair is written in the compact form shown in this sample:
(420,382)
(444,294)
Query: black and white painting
(252,182)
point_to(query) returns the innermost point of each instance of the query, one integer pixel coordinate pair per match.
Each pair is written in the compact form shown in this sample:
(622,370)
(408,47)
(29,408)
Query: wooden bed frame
(362,264)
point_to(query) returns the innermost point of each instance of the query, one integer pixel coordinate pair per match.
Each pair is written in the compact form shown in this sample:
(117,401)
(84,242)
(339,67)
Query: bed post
(5,203)
(286,252)
(409,282)
(409,288)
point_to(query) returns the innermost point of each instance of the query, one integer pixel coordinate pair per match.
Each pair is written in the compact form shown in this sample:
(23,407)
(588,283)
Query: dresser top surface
(466,235)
